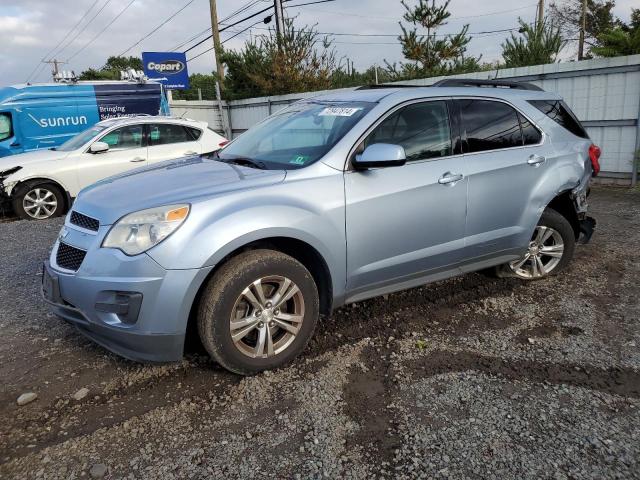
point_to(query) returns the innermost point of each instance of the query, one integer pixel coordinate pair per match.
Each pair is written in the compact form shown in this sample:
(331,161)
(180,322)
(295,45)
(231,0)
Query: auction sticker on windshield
(339,111)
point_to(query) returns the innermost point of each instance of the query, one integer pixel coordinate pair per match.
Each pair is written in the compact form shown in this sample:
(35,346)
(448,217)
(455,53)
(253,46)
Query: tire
(553,254)
(49,193)
(226,294)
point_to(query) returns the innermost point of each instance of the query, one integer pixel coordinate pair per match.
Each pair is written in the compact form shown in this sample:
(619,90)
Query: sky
(84,33)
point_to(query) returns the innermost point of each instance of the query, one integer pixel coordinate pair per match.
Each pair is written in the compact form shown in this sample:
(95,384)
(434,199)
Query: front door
(406,223)
(127,150)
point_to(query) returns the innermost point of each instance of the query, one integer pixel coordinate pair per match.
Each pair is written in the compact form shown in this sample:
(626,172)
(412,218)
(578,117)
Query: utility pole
(277,5)
(540,13)
(55,64)
(217,48)
(583,26)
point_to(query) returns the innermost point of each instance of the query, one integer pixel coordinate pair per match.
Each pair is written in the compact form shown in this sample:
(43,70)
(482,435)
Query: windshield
(5,126)
(297,136)
(79,140)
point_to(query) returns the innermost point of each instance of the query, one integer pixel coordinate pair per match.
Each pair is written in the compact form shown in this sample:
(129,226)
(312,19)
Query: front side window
(489,125)
(166,134)
(124,138)
(422,129)
(81,139)
(297,136)
(6,126)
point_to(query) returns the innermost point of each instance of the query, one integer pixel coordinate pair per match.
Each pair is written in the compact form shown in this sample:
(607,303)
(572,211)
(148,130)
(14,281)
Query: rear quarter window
(559,112)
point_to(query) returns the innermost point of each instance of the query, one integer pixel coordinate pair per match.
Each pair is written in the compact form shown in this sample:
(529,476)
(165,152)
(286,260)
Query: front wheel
(258,311)
(550,249)
(39,201)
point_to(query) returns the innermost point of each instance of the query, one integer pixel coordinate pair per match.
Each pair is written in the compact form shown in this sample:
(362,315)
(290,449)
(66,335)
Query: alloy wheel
(267,316)
(40,203)
(543,255)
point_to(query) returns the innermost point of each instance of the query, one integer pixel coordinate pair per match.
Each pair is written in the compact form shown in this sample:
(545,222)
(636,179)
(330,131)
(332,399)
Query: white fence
(603,93)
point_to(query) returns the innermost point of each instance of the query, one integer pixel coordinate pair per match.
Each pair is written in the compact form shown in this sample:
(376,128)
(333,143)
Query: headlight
(139,231)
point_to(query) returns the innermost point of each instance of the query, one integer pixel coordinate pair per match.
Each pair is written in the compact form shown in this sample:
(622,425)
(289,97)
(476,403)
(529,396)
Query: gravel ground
(466,378)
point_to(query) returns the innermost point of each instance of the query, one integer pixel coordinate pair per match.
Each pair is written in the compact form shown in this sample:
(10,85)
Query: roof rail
(373,86)
(464,82)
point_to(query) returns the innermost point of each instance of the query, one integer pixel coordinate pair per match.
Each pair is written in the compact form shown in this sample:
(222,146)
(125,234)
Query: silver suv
(333,200)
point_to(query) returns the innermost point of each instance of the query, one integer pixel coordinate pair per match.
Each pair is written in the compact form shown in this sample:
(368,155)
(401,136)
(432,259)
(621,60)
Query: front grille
(85,222)
(69,257)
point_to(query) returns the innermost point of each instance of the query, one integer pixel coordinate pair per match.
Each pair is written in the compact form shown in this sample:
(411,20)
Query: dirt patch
(618,381)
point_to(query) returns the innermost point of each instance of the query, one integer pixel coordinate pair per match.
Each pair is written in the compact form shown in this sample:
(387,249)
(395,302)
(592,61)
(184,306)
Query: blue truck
(37,116)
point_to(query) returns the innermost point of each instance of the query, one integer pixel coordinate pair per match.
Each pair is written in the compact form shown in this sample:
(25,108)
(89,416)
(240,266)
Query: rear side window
(167,133)
(6,127)
(559,112)
(194,132)
(421,128)
(530,134)
(489,125)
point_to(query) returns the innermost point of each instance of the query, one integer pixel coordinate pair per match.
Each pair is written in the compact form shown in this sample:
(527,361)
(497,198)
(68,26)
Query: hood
(22,159)
(176,181)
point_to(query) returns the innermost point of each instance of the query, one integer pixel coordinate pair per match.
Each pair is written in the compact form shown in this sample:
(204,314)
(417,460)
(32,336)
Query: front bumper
(129,305)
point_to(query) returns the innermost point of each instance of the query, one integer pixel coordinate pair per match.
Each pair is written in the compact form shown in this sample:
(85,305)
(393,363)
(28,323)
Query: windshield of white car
(81,139)
(297,136)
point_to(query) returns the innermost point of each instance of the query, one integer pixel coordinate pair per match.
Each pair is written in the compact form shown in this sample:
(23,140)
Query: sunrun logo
(52,122)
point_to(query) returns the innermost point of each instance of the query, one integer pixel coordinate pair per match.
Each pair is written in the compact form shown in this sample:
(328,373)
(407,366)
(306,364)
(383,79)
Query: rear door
(506,157)
(127,150)
(169,140)
(404,223)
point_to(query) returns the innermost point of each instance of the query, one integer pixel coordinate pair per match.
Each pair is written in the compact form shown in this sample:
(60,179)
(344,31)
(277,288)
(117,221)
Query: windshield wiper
(245,162)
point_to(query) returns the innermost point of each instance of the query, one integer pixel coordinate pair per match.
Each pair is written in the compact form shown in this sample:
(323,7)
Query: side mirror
(380,155)
(98,147)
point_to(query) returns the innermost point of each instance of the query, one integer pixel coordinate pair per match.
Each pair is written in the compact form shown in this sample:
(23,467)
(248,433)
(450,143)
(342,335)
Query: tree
(432,54)
(567,14)
(621,40)
(112,68)
(297,60)
(538,45)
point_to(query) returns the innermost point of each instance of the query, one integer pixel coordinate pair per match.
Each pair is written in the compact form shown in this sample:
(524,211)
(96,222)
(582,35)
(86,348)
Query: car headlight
(139,231)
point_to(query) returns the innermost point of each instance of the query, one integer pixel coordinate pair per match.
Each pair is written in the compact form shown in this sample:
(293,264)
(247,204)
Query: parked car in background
(41,116)
(43,184)
(333,200)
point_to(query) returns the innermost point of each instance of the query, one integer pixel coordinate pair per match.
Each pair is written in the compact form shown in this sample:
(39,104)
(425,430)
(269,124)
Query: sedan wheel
(544,254)
(40,203)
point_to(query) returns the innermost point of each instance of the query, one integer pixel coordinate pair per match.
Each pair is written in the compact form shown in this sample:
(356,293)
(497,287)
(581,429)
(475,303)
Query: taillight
(594,155)
(222,144)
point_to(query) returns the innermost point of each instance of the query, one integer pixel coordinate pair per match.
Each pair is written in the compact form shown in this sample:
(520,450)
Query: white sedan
(42,184)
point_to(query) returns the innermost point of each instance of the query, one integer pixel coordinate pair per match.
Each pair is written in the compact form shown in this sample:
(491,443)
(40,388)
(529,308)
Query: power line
(62,40)
(101,31)
(83,28)
(240,32)
(251,16)
(167,20)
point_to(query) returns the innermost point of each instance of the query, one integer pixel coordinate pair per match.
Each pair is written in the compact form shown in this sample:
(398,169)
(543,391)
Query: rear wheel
(39,201)
(258,311)
(550,249)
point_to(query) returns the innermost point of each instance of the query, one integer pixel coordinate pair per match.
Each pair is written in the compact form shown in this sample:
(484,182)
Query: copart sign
(168,68)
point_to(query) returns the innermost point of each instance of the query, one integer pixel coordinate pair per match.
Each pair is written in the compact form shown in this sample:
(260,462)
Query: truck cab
(39,116)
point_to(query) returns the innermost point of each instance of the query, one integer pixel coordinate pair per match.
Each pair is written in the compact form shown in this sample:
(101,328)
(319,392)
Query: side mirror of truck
(98,147)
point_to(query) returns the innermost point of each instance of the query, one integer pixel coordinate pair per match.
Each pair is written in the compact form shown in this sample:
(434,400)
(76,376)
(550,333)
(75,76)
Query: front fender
(214,231)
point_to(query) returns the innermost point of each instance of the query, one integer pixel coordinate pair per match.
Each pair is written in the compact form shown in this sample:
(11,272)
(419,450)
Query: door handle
(138,159)
(450,178)
(536,160)
(190,153)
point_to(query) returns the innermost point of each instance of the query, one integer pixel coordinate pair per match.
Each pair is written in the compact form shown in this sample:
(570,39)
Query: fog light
(125,305)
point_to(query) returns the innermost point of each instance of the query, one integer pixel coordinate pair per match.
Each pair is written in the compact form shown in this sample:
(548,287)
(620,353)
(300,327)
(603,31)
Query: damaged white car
(43,183)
